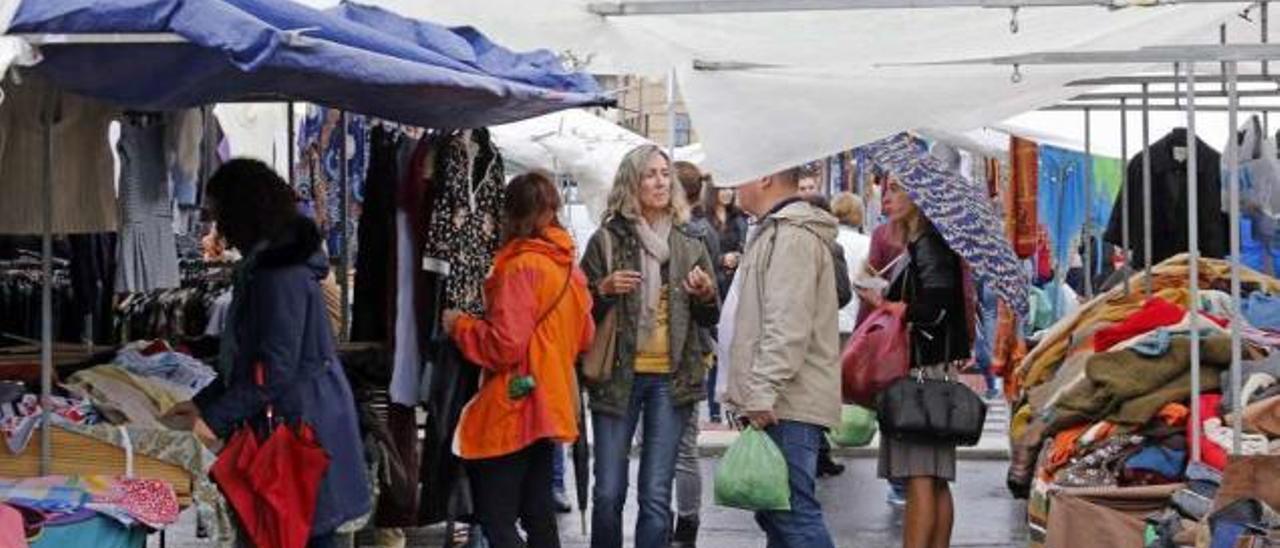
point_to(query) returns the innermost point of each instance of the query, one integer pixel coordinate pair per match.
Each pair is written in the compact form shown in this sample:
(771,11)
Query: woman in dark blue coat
(278,318)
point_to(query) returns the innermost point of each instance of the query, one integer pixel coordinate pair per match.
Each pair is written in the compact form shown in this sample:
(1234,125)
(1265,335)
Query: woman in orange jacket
(537,322)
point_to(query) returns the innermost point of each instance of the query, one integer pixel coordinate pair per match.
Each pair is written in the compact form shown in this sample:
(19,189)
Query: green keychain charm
(520,386)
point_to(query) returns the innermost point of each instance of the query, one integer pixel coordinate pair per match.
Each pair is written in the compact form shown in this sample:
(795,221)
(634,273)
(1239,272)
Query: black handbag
(917,409)
(930,410)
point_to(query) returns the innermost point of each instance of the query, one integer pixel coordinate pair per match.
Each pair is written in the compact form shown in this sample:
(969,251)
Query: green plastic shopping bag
(857,427)
(753,475)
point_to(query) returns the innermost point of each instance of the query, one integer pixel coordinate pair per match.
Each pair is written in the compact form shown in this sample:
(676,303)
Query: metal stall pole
(1124,191)
(671,123)
(1266,65)
(1233,194)
(1146,186)
(46,289)
(344,276)
(1266,34)
(289,136)
(1193,247)
(1086,236)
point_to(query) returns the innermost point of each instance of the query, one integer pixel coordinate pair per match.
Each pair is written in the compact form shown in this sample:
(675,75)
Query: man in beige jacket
(784,368)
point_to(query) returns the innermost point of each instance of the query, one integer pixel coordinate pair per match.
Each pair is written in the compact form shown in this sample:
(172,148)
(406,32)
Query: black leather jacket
(932,286)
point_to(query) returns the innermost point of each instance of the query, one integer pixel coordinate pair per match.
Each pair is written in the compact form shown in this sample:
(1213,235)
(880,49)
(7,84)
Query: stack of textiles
(141,384)
(69,511)
(20,416)
(1103,402)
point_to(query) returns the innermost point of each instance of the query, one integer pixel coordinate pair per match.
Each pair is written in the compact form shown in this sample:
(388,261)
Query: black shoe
(686,535)
(829,467)
(562,502)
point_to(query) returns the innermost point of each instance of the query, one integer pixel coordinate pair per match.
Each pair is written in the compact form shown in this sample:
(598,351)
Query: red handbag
(879,352)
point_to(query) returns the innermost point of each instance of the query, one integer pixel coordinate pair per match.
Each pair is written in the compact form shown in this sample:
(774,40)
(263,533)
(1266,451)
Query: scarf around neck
(654,242)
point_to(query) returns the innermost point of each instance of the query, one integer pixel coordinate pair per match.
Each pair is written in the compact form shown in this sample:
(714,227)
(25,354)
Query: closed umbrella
(286,477)
(961,212)
(231,473)
(582,461)
(272,484)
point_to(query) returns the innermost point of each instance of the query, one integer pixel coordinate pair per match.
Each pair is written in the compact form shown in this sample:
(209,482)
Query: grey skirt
(900,459)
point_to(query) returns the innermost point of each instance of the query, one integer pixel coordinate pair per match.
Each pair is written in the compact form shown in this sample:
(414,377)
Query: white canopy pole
(289,142)
(1087,236)
(344,275)
(1193,246)
(1124,192)
(46,290)
(1233,195)
(671,126)
(1146,186)
(706,7)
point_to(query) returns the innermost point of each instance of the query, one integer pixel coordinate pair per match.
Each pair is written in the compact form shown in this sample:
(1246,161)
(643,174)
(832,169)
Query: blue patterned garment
(961,212)
(318,169)
(1060,199)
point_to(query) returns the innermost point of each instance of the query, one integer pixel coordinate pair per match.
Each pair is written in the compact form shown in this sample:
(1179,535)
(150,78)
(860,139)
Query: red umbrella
(287,478)
(231,473)
(272,485)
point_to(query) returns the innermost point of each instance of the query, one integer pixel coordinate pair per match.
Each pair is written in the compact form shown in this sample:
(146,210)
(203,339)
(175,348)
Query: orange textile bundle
(1063,447)
(1020,201)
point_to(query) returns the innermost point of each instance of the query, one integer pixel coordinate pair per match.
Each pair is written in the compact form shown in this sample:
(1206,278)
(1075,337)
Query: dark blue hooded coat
(284,325)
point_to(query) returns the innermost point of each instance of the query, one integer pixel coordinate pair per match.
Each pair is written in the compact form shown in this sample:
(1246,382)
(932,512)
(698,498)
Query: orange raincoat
(528,282)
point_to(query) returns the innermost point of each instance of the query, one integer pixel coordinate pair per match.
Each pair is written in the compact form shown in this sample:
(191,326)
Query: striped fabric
(960,212)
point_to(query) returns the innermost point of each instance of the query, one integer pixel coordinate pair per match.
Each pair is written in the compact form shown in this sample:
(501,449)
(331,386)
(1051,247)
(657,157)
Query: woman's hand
(206,436)
(182,416)
(730,260)
(450,318)
(621,282)
(700,285)
(872,297)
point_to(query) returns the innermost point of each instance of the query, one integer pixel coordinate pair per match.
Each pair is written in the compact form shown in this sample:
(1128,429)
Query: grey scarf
(657,251)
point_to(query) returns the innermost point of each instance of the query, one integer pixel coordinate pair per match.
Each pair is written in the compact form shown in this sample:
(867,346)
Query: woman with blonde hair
(646,266)
(848,210)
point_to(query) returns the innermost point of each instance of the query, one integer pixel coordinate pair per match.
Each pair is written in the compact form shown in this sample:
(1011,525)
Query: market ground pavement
(856,511)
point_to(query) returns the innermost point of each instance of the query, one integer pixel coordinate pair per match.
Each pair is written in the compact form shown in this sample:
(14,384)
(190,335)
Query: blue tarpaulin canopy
(354,57)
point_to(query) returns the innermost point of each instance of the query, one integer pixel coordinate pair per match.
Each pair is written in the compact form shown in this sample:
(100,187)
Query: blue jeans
(802,527)
(664,424)
(713,406)
(557,468)
(984,346)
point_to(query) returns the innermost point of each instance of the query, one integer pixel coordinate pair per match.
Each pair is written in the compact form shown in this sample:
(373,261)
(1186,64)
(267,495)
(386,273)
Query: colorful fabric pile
(32,507)
(1103,401)
(141,384)
(20,418)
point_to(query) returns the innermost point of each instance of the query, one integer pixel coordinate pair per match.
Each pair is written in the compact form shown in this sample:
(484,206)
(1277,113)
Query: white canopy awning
(574,142)
(822,91)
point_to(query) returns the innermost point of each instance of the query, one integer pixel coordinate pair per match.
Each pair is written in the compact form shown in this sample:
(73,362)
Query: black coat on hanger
(1169,202)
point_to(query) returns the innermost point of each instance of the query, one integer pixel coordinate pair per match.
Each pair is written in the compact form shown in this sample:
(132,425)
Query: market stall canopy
(770,90)
(355,57)
(577,143)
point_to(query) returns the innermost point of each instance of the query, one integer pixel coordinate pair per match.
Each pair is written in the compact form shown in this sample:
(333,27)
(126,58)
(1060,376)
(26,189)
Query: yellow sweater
(654,355)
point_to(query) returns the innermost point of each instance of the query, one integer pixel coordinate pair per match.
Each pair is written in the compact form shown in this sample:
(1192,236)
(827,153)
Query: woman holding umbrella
(278,354)
(931,289)
(948,227)
(537,321)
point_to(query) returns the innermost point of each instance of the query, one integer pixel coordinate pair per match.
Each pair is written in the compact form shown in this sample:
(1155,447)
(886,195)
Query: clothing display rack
(1187,94)
(448,92)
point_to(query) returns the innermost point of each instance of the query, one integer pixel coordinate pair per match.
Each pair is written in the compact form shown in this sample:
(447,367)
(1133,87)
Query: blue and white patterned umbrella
(961,213)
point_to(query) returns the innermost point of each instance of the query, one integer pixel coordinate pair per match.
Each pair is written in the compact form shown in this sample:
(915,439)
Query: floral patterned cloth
(466,216)
(180,449)
(318,172)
